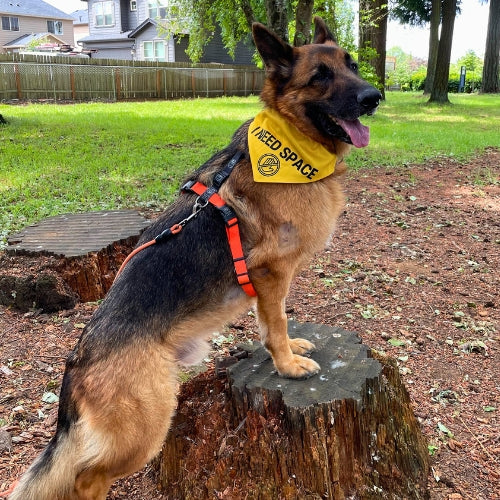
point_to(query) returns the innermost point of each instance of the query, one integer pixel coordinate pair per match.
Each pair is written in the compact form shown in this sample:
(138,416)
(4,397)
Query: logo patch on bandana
(268,165)
(281,153)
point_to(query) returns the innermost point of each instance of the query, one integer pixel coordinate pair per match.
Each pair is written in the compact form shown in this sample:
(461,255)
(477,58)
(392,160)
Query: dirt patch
(413,268)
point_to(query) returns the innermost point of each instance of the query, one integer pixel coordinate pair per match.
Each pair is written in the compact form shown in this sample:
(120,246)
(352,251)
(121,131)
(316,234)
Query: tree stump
(348,432)
(62,259)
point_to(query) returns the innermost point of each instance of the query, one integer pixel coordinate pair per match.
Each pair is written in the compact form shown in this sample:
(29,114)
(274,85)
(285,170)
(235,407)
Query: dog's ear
(276,54)
(321,32)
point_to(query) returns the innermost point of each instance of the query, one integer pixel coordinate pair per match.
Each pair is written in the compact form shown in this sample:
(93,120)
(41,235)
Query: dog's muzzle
(368,100)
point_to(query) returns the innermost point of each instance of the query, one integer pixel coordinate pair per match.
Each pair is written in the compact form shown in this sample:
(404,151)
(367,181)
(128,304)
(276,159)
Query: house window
(10,23)
(104,13)
(163,9)
(154,51)
(55,27)
(133,5)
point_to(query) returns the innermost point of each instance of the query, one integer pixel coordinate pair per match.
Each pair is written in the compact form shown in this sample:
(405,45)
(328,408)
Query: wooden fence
(82,79)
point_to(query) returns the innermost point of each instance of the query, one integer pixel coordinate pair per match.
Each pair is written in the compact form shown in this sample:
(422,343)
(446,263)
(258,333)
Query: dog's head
(317,87)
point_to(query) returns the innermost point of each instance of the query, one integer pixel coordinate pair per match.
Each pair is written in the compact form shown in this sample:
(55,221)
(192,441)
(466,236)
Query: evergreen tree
(491,77)
(439,92)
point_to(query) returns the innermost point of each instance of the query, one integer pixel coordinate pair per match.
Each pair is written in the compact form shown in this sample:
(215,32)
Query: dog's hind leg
(120,406)
(125,405)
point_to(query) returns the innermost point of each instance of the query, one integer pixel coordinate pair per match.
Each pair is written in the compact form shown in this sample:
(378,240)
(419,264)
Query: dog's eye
(323,74)
(352,65)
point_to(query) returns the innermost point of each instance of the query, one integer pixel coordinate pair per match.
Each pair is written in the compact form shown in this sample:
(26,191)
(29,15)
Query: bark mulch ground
(413,268)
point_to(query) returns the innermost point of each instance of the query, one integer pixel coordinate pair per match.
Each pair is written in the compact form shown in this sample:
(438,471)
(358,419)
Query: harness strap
(210,195)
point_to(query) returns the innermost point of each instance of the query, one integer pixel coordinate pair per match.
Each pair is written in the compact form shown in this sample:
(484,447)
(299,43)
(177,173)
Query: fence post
(72,82)
(53,69)
(118,84)
(18,81)
(158,83)
(193,82)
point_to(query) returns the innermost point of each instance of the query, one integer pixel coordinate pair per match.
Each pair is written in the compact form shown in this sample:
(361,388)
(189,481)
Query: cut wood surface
(71,258)
(348,432)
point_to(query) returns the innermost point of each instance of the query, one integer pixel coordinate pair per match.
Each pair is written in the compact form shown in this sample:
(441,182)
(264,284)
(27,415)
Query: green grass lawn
(406,129)
(77,157)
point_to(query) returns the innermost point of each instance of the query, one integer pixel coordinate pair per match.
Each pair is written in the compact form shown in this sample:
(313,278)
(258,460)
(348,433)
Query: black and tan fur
(119,388)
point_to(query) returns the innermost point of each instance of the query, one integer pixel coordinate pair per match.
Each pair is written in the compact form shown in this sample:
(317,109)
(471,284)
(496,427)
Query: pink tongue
(359,134)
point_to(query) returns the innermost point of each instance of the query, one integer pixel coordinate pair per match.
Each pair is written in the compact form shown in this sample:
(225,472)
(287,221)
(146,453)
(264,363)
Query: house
(25,23)
(136,30)
(80,25)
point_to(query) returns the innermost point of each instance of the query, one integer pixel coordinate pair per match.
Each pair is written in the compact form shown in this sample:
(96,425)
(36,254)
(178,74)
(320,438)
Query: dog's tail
(105,431)
(52,475)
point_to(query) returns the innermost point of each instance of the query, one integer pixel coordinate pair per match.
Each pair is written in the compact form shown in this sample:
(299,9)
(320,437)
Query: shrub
(472,81)
(417,79)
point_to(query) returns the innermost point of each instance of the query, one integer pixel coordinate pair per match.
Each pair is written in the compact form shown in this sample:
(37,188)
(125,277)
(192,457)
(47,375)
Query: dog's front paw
(299,367)
(301,346)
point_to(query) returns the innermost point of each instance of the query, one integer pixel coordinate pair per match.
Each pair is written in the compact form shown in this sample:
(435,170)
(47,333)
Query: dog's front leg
(286,352)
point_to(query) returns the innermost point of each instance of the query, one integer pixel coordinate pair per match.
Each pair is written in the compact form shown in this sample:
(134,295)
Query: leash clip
(198,205)
(196,210)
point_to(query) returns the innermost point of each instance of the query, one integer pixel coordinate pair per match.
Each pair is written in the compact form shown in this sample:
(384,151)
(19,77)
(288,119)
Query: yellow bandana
(281,153)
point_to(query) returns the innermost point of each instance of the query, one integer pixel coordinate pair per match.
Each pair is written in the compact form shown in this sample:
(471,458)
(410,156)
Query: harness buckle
(188,186)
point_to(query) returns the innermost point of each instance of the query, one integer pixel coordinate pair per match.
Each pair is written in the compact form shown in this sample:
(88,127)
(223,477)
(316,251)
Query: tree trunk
(380,44)
(348,432)
(277,17)
(433,45)
(246,7)
(303,19)
(373,35)
(491,78)
(439,92)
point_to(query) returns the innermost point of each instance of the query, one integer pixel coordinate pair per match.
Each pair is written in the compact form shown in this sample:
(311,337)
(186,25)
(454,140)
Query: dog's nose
(369,98)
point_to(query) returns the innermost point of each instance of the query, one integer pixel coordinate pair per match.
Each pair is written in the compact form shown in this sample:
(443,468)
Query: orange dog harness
(210,195)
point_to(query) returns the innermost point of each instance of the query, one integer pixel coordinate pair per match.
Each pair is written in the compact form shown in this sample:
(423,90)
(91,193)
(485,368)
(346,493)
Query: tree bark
(435,21)
(491,78)
(439,92)
(246,7)
(303,19)
(347,432)
(277,17)
(69,257)
(373,35)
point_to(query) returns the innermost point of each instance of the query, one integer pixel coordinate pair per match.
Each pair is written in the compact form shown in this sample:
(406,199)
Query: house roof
(31,8)
(142,26)
(106,38)
(24,40)
(80,17)
(150,22)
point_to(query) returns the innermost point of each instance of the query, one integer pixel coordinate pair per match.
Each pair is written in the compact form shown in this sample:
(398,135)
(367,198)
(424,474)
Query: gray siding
(115,53)
(126,20)
(181,45)
(112,50)
(114,29)
(129,17)
(215,52)
(150,34)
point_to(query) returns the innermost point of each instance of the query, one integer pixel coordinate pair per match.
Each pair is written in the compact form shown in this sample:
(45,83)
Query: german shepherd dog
(119,389)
